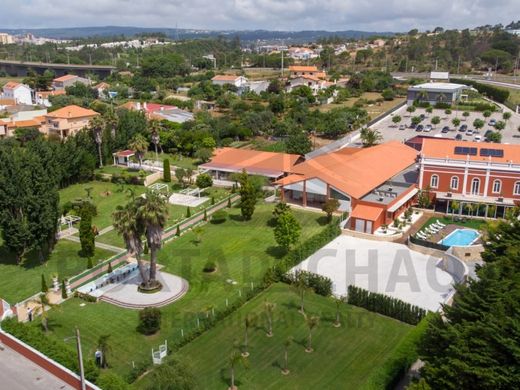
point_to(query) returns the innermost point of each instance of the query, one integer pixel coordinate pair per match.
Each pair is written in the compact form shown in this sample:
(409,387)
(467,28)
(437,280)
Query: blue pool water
(461,237)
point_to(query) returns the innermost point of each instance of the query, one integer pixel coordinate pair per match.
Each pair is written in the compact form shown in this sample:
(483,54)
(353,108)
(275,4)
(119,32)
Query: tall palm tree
(104,348)
(300,287)
(269,308)
(234,359)
(454,207)
(338,301)
(249,321)
(153,213)
(139,145)
(286,344)
(312,322)
(126,224)
(154,128)
(97,124)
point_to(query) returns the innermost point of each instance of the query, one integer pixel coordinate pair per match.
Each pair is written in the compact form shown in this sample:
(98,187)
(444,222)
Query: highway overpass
(20,68)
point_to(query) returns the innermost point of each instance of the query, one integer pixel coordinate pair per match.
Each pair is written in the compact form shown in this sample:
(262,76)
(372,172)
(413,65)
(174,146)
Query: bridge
(20,68)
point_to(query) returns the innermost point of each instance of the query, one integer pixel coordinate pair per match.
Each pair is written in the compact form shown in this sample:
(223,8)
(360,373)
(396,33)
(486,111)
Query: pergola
(68,220)
(159,187)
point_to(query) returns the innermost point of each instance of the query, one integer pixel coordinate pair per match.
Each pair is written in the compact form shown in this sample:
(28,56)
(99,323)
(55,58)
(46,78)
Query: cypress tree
(86,234)
(205,215)
(229,203)
(212,200)
(167,174)
(188,212)
(178,232)
(45,288)
(63,289)
(109,271)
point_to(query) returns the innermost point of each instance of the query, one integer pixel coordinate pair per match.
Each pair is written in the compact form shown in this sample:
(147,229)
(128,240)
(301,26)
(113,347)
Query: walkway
(100,245)
(414,228)
(106,230)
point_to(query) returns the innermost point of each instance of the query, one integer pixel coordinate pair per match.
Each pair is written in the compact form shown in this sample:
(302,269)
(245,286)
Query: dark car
(488,133)
(422,116)
(458,137)
(445,130)
(492,122)
(413,126)
(463,128)
(419,128)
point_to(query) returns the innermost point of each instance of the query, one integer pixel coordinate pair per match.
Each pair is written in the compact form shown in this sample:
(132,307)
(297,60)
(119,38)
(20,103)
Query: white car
(478,138)
(427,128)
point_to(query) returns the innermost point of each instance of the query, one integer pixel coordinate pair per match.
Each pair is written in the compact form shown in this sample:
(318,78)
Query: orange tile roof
(45,94)
(300,68)
(358,173)
(253,161)
(12,85)
(102,85)
(441,148)
(72,112)
(368,213)
(66,77)
(224,77)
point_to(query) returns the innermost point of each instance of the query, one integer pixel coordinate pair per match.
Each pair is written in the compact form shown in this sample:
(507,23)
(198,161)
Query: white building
(237,81)
(435,93)
(6,39)
(20,93)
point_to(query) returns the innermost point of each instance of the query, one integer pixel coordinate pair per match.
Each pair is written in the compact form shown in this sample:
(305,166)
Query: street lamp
(80,357)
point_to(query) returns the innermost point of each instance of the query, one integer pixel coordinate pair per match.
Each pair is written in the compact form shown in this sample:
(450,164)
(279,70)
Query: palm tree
(312,322)
(97,124)
(492,209)
(248,323)
(42,302)
(338,301)
(454,207)
(126,224)
(155,127)
(152,214)
(139,145)
(423,95)
(269,308)
(104,348)
(370,137)
(286,344)
(300,287)
(234,359)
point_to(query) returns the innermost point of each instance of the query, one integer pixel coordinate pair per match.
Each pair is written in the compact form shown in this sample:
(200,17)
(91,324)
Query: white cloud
(373,15)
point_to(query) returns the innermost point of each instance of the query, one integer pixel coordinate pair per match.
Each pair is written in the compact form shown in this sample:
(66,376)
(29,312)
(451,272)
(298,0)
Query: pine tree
(188,212)
(45,288)
(178,232)
(167,174)
(109,270)
(63,289)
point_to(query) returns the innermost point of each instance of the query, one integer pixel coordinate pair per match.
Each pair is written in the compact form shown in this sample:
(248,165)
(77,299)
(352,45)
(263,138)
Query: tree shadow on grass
(225,376)
(276,251)
(236,217)
(322,220)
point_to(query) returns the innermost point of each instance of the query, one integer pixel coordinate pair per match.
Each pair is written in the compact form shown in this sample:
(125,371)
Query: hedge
(320,284)
(59,352)
(498,94)
(383,304)
(396,366)
(428,244)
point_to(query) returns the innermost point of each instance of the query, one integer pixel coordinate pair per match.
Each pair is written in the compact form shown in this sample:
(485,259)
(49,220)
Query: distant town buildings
(6,39)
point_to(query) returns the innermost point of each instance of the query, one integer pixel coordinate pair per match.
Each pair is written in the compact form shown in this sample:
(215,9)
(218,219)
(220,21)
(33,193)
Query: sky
(331,15)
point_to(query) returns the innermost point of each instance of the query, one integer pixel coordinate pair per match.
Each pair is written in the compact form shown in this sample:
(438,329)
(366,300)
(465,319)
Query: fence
(428,244)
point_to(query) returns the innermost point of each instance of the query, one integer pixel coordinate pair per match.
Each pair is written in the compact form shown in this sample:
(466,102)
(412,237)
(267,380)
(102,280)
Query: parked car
(422,116)
(445,129)
(428,128)
(478,138)
(487,133)
(402,127)
(469,132)
(412,126)
(463,128)
(419,128)
(458,137)
(492,122)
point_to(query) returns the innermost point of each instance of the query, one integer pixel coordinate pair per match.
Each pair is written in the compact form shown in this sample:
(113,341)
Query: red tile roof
(366,212)
(299,68)
(224,77)
(12,85)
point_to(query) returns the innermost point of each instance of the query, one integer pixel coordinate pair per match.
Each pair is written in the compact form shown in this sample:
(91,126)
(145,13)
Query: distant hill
(245,35)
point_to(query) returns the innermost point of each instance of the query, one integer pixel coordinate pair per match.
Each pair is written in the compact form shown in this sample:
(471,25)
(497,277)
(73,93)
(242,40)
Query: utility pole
(80,358)
(458,65)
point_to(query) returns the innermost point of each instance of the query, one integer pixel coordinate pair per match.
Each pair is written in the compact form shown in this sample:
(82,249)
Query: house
(298,70)
(67,121)
(227,161)
(435,93)
(34,119)
(254,86)
(41,98)
(372,187)
(122,157)
(20,93)
(6,103)
(68,80)
(160,111)
(102,89)
(314,83)
(470,177)
(302,53)
(237,81)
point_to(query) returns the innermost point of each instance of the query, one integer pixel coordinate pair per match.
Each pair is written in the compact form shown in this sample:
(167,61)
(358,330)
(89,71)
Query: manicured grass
(21,281)
(106,197)
(477,224)
(175,159)
(343,357)
(243,250)
(116,170)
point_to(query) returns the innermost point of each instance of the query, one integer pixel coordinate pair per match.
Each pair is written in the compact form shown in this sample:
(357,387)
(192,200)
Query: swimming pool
(461,237)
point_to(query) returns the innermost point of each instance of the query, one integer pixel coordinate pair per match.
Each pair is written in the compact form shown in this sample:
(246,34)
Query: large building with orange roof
(471,177)
(67,121)
(374,185)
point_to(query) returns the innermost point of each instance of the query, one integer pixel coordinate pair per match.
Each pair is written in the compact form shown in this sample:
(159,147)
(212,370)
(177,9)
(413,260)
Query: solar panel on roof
(464,151)
(485,152)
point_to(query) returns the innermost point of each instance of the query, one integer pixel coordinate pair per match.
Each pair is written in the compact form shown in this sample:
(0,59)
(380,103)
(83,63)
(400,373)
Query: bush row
(399,362)
(497,94)
(320,284)
(383,304)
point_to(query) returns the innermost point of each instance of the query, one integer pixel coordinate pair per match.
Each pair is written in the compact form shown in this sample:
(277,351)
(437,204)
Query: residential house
(42,98)
(102,89)
(67,121)
(302,53)
(160,111)
(20,93)
(299,70)
(68,80)
(237,81)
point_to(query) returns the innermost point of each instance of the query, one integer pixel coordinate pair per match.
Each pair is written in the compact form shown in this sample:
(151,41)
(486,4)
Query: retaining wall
(471,253)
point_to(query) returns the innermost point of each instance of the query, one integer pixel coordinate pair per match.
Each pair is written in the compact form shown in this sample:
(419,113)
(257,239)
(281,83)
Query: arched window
(454,182)
(475,186)
(516,190)
(434,181)
(497,186)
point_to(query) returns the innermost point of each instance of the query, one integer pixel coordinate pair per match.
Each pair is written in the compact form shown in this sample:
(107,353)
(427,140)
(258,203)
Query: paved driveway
(383,267)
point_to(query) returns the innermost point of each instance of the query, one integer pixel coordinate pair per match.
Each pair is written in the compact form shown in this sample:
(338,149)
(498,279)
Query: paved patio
(383,267)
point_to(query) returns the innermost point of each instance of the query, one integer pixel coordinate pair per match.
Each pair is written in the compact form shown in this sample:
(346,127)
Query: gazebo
(122,157)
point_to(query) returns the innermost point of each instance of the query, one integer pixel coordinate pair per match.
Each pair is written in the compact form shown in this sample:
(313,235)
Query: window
(434,181)
(497,187)
(454,183)
(475,186)
(516,191)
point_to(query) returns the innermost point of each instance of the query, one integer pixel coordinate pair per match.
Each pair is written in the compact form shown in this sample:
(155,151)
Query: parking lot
(391,131)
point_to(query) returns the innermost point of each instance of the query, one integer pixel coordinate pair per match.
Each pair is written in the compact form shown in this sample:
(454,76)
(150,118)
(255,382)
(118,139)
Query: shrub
(320,284)
(442,105)
(204,180)
(219,216)
(90,263)
(109,270)
(498,94)
(210,266)
(178,231)
(149,321)
(383,304)
(111,381)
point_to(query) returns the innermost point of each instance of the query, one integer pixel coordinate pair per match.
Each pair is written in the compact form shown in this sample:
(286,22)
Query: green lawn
(175,159)
(116,170)
(343,358)
(243,250)
(477,224)
(21,281)
(106,196)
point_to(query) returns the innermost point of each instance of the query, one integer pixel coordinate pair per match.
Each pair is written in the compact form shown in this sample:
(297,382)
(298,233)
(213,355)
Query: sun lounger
(439,223)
